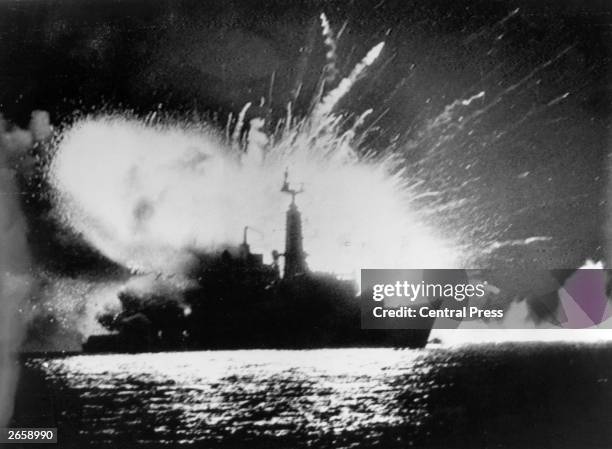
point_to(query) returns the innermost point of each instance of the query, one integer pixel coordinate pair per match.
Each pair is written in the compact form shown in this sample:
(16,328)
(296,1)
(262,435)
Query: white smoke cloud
(146,196)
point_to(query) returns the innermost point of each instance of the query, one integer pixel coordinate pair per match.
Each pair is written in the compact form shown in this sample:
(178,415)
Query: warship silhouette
(240,302)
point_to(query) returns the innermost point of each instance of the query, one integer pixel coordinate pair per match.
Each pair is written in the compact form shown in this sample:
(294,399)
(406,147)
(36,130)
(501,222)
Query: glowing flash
(146,196)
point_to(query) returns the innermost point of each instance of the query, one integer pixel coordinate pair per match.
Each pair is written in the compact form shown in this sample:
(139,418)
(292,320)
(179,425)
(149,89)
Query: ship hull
(307,312)
(115,343)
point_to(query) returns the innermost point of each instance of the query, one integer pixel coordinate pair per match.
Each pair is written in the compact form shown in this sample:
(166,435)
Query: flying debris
(332,98)
(331,71)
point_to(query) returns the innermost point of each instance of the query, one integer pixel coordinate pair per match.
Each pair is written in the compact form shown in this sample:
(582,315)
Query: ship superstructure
(239,301)
(295,257)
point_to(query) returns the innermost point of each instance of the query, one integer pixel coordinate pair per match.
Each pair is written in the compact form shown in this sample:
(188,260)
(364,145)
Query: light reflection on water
(198,395)
(471,397)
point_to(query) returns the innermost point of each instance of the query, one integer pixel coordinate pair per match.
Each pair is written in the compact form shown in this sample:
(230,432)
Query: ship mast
(295,257)
(245,249)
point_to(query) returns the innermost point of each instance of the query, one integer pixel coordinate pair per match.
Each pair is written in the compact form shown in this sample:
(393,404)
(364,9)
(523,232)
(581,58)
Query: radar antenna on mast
(295,257)
(291,191)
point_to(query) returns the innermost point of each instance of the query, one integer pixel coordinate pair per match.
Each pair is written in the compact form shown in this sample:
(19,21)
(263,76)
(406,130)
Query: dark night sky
(215,56)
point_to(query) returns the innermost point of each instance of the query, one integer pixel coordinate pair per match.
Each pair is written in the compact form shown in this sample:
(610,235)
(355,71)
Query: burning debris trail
(331,70)
(328,103)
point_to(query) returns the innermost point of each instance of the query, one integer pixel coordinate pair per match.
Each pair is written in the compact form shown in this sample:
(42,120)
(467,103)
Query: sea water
(482,396)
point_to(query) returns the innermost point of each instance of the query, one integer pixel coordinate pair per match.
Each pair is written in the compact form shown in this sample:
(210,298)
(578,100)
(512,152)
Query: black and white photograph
(335,224)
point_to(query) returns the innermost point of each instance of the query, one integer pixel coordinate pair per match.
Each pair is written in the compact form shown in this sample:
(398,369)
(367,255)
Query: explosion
(147,194)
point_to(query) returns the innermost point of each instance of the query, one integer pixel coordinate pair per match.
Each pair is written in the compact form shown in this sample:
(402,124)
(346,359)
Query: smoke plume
(15,274)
